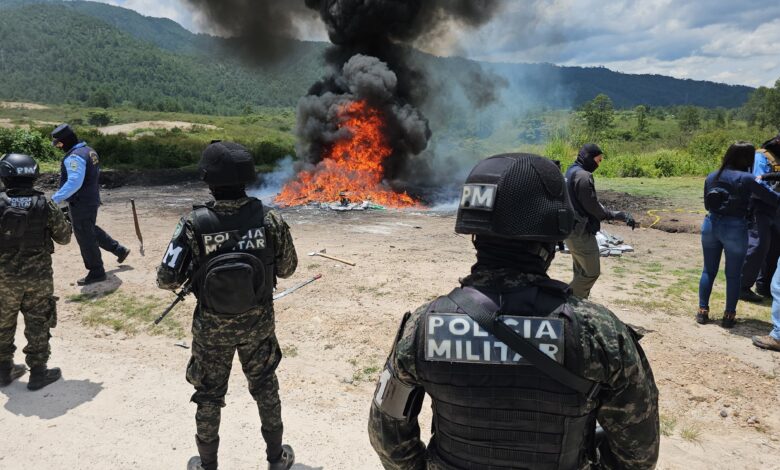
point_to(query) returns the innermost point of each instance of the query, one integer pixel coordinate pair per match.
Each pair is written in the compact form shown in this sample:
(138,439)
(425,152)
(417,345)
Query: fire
(352,167)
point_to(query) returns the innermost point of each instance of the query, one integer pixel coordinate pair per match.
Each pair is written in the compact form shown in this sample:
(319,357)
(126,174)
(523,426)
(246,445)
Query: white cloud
(719,40)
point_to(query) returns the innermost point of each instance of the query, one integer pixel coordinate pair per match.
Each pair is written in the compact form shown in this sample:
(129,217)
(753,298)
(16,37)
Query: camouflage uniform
(27,285)
(627,407)
(216,338)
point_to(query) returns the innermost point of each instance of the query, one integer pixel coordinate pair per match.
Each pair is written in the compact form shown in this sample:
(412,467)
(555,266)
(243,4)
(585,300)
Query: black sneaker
(763,291)
(729,319)
(41,377)
(121,254)
(9,374)
(749,296)
(285,461)
(91,279)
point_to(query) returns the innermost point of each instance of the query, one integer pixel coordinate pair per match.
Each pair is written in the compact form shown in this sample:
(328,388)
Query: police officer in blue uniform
(79,187)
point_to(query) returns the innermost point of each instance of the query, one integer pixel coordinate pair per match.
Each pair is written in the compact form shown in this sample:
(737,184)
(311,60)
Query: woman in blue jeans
(727,193)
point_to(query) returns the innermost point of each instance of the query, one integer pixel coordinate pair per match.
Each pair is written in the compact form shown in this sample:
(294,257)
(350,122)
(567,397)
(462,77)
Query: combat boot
(92,277)
(207,459)
(121,254)
(40,377)
(286,460)
(10,372)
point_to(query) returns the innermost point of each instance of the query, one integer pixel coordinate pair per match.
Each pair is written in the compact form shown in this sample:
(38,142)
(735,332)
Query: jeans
(90,237)
(718,234)
(776,304)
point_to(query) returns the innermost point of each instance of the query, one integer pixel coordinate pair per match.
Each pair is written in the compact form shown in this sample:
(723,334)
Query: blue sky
(718,40)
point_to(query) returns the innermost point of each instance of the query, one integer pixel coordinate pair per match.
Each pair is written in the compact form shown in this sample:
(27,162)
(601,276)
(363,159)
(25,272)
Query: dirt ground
(19,105)
(134,126)
(123,403)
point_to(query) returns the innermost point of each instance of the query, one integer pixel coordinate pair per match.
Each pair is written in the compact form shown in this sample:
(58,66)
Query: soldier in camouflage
(495,408)
(232,236)
(28,225)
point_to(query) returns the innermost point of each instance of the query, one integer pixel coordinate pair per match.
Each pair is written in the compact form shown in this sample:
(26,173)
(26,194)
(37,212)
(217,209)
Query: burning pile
(352,167)
(359,128)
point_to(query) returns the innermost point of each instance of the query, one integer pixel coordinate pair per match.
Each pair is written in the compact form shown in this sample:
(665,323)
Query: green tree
(688,119)
(599,114)
(101,98)
(642,124)
(100,118)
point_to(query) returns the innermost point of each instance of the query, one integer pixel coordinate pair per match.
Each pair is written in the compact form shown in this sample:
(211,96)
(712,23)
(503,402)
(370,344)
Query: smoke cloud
(373,58)
(362,78)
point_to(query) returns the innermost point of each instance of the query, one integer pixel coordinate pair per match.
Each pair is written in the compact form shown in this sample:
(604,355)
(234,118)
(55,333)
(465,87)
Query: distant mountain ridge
(58,51)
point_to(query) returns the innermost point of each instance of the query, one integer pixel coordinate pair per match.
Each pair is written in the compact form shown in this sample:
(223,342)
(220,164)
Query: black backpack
(15,222)
(237,275)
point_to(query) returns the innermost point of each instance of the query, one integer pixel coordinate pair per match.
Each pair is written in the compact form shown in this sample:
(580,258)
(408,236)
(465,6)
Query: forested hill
(53,52)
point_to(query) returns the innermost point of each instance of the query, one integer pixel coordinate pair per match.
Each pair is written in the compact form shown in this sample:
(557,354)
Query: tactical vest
(23,221)
(89,193)
(489,416)
(241,232)
(592,225)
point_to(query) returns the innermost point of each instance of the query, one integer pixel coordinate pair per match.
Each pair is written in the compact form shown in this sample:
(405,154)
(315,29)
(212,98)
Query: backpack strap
(482,310)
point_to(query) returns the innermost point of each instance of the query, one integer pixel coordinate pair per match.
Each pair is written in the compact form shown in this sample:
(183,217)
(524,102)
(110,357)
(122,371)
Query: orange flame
(351,167)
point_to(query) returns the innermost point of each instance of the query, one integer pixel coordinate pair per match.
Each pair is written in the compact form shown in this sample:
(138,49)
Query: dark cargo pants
(586,262)
(90,237)
(759,264)
(209,370)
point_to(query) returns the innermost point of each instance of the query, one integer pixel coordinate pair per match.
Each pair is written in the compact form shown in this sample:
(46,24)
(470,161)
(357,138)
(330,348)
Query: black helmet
(227,164)
(65,134)
(518,196)
(18,166)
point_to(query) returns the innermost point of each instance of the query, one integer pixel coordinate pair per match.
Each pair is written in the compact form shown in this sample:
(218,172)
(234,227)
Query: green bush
(266,153)
(30,142)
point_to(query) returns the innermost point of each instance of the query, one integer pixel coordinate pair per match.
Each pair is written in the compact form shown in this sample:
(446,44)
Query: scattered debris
(296,287)
(609,245)
(322,253)
(345,205)
(753,420)
(724,414)
(182,344)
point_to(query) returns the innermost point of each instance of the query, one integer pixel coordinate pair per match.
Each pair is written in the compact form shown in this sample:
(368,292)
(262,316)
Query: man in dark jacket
(588,214)
(495,408)
(79,187)
(763,229)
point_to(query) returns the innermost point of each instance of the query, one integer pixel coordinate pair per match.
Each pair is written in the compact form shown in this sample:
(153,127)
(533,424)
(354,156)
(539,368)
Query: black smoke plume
(372,58)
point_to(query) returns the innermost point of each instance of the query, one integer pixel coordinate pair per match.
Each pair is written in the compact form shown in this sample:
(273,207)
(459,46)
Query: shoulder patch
(74,165)
(454,337)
